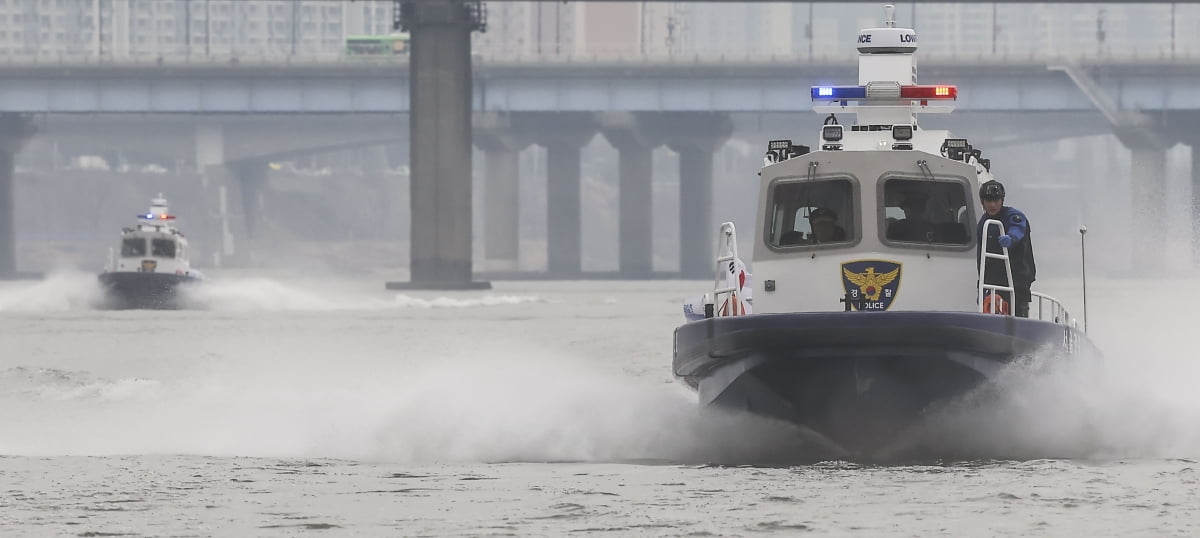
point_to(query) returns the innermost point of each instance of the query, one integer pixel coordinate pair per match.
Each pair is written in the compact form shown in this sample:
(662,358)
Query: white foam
(514,406)
(267,295)
(1135,399)
(60,291)
(402,300)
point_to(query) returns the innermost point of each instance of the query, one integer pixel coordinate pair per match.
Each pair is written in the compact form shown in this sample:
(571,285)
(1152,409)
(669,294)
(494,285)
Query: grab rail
(1057,311)
(994,288)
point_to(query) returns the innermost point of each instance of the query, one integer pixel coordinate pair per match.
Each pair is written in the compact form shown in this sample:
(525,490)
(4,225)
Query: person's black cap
(822,213)
(991,190)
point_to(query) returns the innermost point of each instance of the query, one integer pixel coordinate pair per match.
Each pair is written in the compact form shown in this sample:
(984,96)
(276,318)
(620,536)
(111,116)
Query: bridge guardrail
(930,58)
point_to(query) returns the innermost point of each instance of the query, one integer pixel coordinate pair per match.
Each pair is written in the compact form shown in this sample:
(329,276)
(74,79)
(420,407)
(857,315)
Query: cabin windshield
(809,213)
(163,248)
(133,246)
(922,211)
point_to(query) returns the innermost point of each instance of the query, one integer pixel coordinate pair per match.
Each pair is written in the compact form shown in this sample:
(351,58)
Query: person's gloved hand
(1005,241)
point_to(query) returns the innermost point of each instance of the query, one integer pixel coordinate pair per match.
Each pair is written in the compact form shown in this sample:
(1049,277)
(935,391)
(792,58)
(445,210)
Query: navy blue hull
(859,379)
(150,291)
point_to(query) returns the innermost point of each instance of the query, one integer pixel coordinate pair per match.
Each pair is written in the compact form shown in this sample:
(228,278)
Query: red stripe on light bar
(929,92)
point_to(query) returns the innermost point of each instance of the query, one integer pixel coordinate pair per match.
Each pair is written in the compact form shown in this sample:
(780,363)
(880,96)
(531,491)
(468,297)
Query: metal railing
(592,57)
(994,296)
(1048,308)
(1055,312)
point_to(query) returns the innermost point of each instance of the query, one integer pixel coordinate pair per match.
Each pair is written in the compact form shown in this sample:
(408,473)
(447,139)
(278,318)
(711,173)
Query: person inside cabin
(825,228)
(1016,237)
(915,226)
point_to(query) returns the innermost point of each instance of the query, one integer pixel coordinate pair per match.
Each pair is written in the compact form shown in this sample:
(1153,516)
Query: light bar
(841,93)
(152,216)
(836,93)
(928,92)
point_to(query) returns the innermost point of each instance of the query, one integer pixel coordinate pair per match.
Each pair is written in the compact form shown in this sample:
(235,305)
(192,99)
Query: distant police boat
(152,264)
(867,309)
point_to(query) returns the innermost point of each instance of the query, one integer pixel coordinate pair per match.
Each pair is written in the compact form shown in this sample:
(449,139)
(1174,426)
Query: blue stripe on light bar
(834,93)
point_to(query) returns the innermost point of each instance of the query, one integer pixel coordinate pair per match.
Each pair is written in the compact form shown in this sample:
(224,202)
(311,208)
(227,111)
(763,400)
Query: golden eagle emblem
(870,282)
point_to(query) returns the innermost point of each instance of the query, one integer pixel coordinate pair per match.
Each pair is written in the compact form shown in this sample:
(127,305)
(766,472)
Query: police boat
(152,265)
(868,308)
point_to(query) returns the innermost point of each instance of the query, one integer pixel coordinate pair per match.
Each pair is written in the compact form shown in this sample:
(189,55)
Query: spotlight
(831,133)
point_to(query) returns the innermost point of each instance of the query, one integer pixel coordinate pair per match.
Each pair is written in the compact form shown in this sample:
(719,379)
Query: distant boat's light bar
(841,93)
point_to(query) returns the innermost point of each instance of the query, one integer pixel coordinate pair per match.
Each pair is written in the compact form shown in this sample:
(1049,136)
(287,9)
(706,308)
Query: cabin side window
(809,213)
(133,246)
(163,248)
(922,211)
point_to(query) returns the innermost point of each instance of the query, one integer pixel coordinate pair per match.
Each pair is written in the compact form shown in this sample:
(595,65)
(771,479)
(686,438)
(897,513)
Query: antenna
(889,15)
(1083,265)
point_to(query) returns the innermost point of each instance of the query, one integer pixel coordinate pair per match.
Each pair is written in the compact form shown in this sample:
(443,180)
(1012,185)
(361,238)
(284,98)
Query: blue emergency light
(839,92)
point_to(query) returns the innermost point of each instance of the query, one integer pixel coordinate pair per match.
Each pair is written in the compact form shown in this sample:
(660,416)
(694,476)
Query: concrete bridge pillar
(1195,213)
(440,101)
(210,164)
(501,145)
(564,135)
(635,201)
(252,178)
(697,137)
(502,206)
(217,237)
(15,132)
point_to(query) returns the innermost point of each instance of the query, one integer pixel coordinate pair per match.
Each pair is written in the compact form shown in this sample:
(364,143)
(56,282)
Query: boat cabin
(882,215)
(154,245)
(826,213)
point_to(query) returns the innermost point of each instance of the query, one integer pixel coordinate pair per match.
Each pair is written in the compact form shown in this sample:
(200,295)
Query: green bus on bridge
(377,45)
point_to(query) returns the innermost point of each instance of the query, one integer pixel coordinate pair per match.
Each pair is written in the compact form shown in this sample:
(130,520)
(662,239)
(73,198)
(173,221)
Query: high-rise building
(248,28)
(522,29)
(135,28)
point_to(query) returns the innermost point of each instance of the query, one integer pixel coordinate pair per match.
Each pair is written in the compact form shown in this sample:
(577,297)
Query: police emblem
(871,285)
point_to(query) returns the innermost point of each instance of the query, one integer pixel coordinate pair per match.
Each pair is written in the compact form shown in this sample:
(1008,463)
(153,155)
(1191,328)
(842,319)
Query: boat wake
(71,290)
(526,407)
(267,295)
(1046,407)
(512,408)
(60,291)
(552,409)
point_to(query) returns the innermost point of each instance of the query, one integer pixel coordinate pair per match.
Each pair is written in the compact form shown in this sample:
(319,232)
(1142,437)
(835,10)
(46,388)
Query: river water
(324,406)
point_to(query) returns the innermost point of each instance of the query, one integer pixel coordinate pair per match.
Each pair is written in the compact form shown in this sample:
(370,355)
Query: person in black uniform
(825,229)
(915,225)
(1015,237)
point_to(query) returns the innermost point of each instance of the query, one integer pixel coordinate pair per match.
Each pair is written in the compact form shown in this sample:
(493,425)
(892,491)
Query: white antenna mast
(889,15)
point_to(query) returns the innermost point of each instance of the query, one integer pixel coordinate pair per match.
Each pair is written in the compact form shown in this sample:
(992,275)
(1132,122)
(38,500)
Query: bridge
(504,104)
(738,84)
(637,104)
